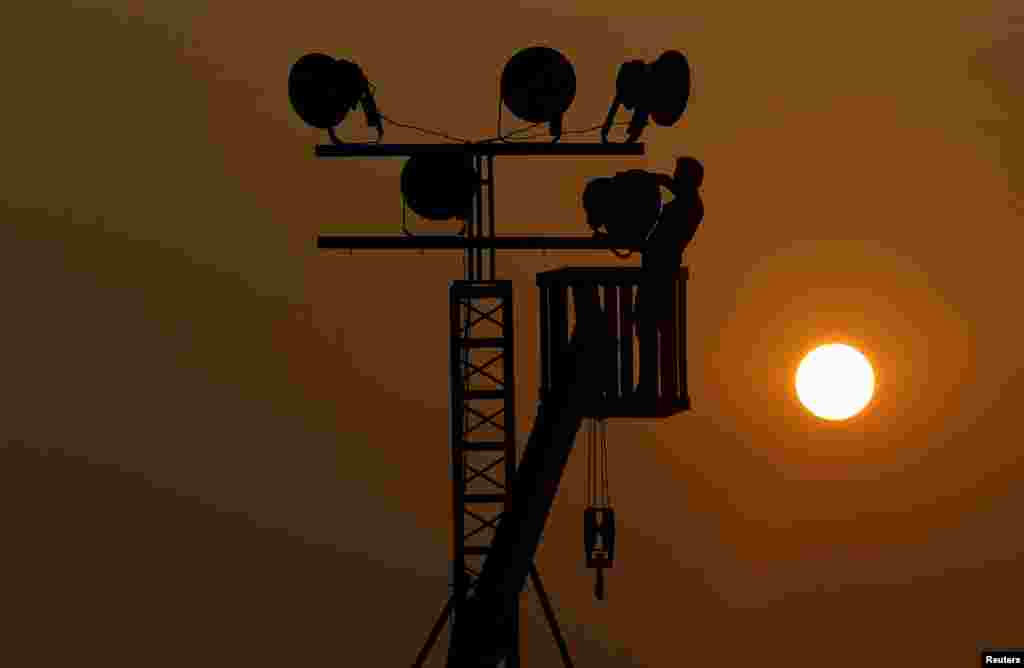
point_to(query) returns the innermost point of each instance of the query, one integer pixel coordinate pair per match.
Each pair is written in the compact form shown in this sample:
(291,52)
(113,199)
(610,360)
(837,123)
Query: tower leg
(434,632)
(549,614)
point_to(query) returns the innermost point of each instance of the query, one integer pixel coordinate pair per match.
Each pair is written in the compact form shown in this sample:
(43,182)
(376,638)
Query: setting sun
(835,381)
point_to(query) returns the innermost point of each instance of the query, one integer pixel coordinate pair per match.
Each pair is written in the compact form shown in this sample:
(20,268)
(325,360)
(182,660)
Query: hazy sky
(226,447)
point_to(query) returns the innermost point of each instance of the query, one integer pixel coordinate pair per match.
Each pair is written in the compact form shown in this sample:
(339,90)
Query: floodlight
(626,206)
(323,90)
(538,85)
(440,186)
(659,90)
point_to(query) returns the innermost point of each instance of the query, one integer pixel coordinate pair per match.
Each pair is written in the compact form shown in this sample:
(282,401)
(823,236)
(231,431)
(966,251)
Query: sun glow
(835,381)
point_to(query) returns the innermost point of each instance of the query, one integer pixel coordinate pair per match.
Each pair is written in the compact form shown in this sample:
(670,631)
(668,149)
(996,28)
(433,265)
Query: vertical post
(478,222)
(611,307)
(545,335)
(508,374)
(471,274)
(668,340)
(558,325)
(626,326)
(490,210)
(647,307)
(457,428)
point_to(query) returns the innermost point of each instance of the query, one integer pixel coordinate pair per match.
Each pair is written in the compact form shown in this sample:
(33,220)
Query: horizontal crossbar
(493,148)
(486,446)
(453,242)
(484,498)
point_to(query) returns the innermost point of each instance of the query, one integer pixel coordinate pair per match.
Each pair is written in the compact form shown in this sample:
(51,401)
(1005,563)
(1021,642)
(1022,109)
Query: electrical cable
(591,488)
(587,470)
(598,494)
(504,138)
(429,132)
(335,140)
(592,426)
(603,427)
(499,137)
(575,132)
(373,91)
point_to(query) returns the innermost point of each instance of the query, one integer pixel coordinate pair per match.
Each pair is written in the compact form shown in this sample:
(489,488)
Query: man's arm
(667,182)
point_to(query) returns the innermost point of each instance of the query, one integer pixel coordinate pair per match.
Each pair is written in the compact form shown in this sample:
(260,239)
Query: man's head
(689,172)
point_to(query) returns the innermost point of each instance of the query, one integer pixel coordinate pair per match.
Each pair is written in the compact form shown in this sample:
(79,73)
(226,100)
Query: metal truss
(483,443)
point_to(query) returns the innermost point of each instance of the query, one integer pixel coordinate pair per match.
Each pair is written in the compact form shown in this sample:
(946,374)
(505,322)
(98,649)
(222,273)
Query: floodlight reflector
(669,88)
(323,90)
(658,91)
(538,85)
(440,186)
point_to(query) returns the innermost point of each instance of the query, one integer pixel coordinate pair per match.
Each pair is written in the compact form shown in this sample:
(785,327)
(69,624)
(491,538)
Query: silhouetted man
(628,207)
(676,227)
(679,218)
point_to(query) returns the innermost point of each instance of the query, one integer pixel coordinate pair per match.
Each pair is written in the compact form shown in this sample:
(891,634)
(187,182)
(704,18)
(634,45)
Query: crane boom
(481,626)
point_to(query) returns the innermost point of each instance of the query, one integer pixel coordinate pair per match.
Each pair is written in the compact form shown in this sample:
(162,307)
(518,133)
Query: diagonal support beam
(484,315)
(485,419)
(482,473)
(484,524)
(434,632)
(481,370)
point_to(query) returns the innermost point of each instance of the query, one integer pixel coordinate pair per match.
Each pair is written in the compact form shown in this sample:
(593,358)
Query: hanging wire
(591,469)
(592,442)
(595,478)
(429,132)
(570,132)
(502,137)
(587,471)
(336,140)
(598,491)
(505,137)
(603,427)
(499,137)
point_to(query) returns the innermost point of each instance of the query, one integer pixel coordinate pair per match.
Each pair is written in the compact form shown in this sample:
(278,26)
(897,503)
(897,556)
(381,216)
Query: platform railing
(645,371)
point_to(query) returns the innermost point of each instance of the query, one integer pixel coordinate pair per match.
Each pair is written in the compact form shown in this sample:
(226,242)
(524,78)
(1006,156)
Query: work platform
(644,318)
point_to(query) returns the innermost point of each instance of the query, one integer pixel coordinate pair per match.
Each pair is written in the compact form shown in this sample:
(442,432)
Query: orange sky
(234,446)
